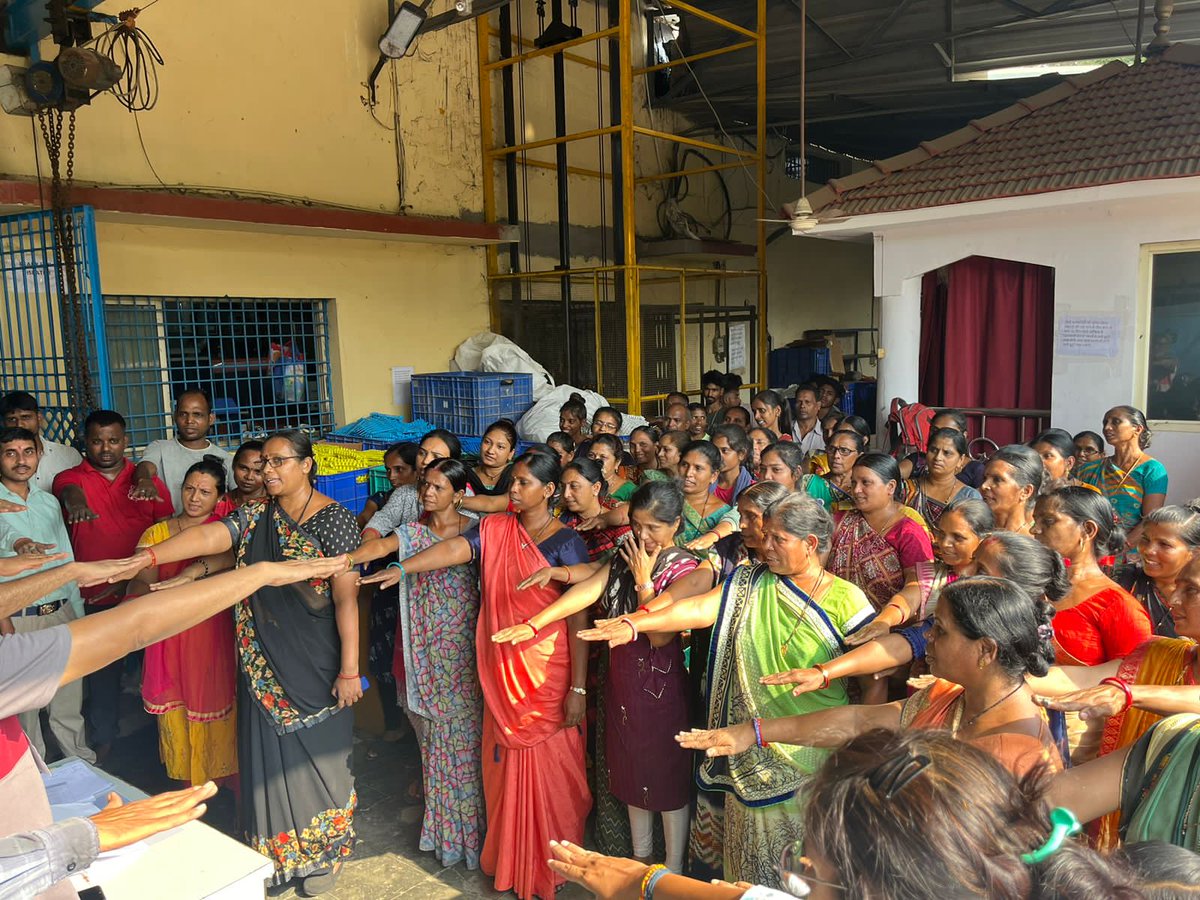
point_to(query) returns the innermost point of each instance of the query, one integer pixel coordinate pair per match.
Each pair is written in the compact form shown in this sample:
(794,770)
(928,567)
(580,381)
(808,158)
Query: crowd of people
(755,654)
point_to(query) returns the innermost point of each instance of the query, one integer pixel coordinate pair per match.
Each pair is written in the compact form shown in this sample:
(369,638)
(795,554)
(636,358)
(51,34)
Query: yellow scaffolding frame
(631,271)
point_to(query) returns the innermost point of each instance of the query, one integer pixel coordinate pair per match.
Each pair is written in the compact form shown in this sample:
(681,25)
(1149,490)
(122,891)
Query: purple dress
(646,700)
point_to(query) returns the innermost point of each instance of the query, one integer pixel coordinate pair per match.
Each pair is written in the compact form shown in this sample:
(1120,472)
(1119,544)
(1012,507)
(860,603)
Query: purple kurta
(646,702)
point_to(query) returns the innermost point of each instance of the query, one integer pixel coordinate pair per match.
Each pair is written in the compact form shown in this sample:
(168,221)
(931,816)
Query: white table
(191,862)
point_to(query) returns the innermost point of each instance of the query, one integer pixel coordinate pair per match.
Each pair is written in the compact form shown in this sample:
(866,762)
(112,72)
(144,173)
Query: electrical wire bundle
(131,49)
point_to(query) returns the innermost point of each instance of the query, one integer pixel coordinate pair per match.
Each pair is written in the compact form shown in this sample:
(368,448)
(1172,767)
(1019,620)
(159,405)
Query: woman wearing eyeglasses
(298,666)
(833,489)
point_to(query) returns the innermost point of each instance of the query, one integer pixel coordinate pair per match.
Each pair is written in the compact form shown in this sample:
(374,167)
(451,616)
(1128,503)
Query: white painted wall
(1093,239)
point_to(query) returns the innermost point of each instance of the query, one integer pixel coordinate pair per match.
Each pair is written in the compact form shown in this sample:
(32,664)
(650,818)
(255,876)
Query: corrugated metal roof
(1117,123)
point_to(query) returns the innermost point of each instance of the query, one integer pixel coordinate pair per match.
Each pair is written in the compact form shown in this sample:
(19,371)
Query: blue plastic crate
(859,399)
(362,443)
(467,402)
(350,489)
(795,365)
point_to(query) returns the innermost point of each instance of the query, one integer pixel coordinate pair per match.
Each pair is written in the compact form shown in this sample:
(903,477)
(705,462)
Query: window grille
(264,362)
(34,337)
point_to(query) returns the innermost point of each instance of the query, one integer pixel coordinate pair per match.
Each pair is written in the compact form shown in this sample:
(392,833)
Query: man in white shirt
(20,410)
(807,430)
(37,531)
(171,458)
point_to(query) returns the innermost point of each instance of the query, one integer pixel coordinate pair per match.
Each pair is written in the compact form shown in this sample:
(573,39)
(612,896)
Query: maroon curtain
(997,340)
(933,339)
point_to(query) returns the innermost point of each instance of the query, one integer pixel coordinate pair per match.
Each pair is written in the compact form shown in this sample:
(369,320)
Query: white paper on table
(64,811)
(75,782)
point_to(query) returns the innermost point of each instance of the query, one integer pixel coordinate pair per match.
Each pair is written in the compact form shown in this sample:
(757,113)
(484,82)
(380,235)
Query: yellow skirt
(197,752)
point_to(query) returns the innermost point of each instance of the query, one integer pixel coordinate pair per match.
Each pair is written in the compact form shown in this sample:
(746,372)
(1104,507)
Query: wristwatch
(648,586)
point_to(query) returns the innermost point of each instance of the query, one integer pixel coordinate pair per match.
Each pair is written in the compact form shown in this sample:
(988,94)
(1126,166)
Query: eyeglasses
(796,872)
(840,451)
(274,462)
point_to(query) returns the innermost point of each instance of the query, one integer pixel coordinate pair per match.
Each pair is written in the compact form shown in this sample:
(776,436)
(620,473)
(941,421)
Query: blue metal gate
(43,331)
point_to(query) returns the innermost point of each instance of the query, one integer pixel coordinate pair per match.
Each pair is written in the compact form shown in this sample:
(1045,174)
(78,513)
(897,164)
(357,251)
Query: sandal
(321,881)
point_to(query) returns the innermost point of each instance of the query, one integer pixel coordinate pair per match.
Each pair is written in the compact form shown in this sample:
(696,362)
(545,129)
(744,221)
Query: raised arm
(879,655)
(453,552)
(373,548)
(1067,679)
(1093,789)
(693,612)
(482,503)
(899,610)
(574,600)
(16,595)
(105,637)
(210,539)
(823,728)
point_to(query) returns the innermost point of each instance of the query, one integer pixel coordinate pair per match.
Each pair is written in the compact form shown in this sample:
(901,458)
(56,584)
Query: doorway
(987,340)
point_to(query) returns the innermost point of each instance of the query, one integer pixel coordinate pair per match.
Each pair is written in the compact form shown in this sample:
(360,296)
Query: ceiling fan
(801,217)
(799,213)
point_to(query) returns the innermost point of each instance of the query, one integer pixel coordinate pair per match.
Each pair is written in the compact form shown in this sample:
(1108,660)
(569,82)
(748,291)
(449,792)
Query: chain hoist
(80,392)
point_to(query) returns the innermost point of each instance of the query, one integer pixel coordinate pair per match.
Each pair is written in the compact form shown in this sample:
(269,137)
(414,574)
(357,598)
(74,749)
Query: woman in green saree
(785,611)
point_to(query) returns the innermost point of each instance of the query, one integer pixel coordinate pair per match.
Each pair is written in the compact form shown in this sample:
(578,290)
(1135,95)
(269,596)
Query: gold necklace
(811,596)
(534,539)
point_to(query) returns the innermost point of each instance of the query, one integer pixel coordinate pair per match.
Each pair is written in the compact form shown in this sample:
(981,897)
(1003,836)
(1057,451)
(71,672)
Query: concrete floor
(386,864)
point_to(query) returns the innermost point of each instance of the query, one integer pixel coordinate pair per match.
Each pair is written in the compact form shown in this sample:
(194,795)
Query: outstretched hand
(805,680)
(514,634)
(607,877)
(17,565)
(1099,702)
(120,824)
(720,741)
(615,633)
(540,578)
(385,578)
(293,570)
(873,630)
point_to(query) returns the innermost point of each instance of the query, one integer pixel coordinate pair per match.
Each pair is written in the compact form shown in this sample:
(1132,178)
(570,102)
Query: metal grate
(265,363)
(33,342)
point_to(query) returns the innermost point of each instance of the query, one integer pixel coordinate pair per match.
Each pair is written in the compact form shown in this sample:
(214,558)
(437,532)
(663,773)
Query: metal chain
(81,394)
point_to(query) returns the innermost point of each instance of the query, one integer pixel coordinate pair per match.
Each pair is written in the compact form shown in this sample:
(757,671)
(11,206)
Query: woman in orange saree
(534,779)
(1157,679)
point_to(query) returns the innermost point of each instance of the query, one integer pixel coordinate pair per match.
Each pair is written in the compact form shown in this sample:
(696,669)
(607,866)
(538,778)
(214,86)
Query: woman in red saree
(534,778)
(1097,621)
(189,681)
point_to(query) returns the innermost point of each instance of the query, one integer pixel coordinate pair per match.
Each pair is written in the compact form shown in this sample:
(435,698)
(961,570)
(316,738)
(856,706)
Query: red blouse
(1108,625)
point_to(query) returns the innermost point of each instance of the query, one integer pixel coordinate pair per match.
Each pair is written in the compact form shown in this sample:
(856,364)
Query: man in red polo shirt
(105,523)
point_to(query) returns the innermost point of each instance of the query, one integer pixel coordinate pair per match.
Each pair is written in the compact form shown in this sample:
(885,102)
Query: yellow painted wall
(259,99)
(394,304)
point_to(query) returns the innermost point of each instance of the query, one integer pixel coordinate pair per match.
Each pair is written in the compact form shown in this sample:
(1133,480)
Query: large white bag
(491,352)
(542,418)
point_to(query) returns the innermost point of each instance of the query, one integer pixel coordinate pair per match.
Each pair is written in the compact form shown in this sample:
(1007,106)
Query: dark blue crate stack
(350,489)
(859,399)
(795,365)
(465,403)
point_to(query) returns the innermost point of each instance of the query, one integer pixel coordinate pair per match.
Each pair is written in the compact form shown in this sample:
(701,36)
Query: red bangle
(348,677)
(824,675)
(153,557)
(567,569)
(644,609)
(531,625)
(1124,688)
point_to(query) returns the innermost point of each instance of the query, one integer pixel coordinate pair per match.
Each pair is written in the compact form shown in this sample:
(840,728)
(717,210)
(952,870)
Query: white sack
(490,352)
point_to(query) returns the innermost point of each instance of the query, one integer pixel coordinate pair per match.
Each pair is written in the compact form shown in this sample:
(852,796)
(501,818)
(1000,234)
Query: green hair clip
(1063,825)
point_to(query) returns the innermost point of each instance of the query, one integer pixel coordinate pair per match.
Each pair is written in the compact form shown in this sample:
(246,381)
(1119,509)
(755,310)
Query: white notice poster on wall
(402,386)
(737,347)
(1088,336)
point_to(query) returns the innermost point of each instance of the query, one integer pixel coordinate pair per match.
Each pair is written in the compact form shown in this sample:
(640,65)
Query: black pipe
(510,168)
(561,176)
(618,173)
